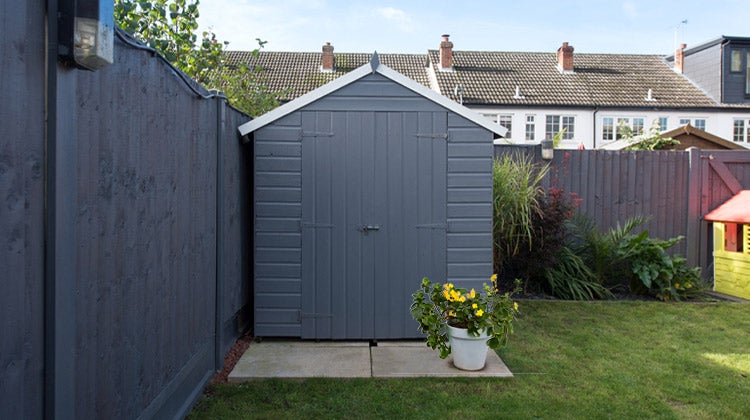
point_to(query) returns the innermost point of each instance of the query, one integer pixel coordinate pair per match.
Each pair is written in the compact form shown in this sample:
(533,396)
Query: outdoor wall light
(548,152)
(86,32)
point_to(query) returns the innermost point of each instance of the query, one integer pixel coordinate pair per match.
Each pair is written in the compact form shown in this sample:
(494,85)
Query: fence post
(694,237)
(220,100)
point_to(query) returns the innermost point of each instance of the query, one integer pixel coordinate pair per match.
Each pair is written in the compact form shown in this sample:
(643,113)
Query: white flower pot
(469,352)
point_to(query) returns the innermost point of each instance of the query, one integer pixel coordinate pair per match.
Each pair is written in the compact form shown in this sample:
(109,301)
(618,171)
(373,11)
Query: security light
(86,32)
(548,151)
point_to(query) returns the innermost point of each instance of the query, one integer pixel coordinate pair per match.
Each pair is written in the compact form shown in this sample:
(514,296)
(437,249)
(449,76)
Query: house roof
(296,73)
(734,210)
(374,66)
(603,80)
(491,77)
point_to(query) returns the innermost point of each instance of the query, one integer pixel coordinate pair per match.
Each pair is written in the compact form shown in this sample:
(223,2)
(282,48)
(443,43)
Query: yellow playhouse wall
(731,269)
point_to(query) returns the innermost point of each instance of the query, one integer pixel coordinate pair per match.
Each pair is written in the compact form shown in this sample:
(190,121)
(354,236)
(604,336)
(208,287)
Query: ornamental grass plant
(437,305)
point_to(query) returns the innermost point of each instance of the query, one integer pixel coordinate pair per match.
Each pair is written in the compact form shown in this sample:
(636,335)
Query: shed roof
(734,210)
(680,133)
(374,66)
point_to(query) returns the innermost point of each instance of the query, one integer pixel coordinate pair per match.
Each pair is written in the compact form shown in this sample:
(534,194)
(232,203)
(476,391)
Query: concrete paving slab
(389,359)
(408,360)
(303,360)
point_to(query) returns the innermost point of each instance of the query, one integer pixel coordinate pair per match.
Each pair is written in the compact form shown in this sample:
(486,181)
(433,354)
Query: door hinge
(432,226)
(307,225)
(432,135)
(316,134)
(313,315)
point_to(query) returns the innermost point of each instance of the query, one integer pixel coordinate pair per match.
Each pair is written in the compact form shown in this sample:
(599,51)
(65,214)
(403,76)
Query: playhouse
(731,228)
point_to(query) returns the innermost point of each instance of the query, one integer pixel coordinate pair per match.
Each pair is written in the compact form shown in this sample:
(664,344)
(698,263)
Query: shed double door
(373,220)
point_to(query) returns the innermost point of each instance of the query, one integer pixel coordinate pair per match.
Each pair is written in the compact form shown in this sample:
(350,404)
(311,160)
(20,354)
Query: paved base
(301,359)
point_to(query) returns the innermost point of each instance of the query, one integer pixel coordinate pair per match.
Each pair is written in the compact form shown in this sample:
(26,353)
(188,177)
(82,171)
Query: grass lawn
(570,360)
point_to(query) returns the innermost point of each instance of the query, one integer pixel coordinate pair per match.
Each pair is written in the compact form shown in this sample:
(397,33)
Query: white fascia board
(305,99)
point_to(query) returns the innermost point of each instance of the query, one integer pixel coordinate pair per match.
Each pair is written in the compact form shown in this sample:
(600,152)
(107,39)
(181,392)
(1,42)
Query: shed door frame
(374,219)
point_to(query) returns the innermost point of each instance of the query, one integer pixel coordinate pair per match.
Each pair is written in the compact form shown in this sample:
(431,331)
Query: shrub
(642,265)
(516,188)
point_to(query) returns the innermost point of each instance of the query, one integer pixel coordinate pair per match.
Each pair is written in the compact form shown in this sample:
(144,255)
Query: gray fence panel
(22,209)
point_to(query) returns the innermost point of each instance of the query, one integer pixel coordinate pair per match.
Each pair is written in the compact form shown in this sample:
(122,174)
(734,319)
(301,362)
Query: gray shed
(361,188)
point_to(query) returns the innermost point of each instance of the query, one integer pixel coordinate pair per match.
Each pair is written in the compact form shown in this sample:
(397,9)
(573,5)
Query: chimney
(679,58)
(565,58)
(446,54)
(326,58)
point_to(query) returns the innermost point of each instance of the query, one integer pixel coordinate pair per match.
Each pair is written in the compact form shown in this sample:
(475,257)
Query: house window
(700,124)
(507,122)
(569,125)
(739,134)
(662,123)
(623,128)
(736,61)
(733,237)
(608,129)
(555,123)
(530,127)
(637,126)
(684,121)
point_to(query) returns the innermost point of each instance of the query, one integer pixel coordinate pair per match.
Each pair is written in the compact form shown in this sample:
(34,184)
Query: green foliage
(621,258)
(557,138)
(169,26)
(650,141)
(516,181)
(434,306)
(599,250)
(654,269)
(572,279)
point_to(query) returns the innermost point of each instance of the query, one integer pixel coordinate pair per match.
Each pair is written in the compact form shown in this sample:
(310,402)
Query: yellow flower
(447,295)
(515,305)
(454,296)
(451,313)
(473,294)
(474,306)
(677,285)
(462,299)
(480,312)
(688,285)
(493,278)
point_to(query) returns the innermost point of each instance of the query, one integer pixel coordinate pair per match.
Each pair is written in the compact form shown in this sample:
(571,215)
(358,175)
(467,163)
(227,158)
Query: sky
(590,26)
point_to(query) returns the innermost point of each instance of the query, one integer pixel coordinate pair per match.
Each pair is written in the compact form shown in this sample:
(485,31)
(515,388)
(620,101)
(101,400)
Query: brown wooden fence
(674,188)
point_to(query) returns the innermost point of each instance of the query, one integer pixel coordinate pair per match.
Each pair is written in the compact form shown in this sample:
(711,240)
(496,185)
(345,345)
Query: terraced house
(537,94)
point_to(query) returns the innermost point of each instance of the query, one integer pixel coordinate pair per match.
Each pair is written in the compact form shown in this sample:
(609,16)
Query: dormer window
(736,65)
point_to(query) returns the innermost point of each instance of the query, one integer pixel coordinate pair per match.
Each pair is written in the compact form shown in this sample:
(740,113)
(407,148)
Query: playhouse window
(733,237)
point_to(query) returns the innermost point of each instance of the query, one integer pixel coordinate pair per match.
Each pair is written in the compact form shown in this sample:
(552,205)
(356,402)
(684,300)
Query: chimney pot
(326,58)
(446,54)
(565,58)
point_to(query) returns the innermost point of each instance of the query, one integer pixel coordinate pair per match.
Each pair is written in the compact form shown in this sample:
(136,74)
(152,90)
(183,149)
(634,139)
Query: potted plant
(464,323)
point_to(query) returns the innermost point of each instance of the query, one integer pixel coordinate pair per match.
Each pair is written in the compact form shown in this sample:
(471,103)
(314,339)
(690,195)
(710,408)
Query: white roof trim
(373,67)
